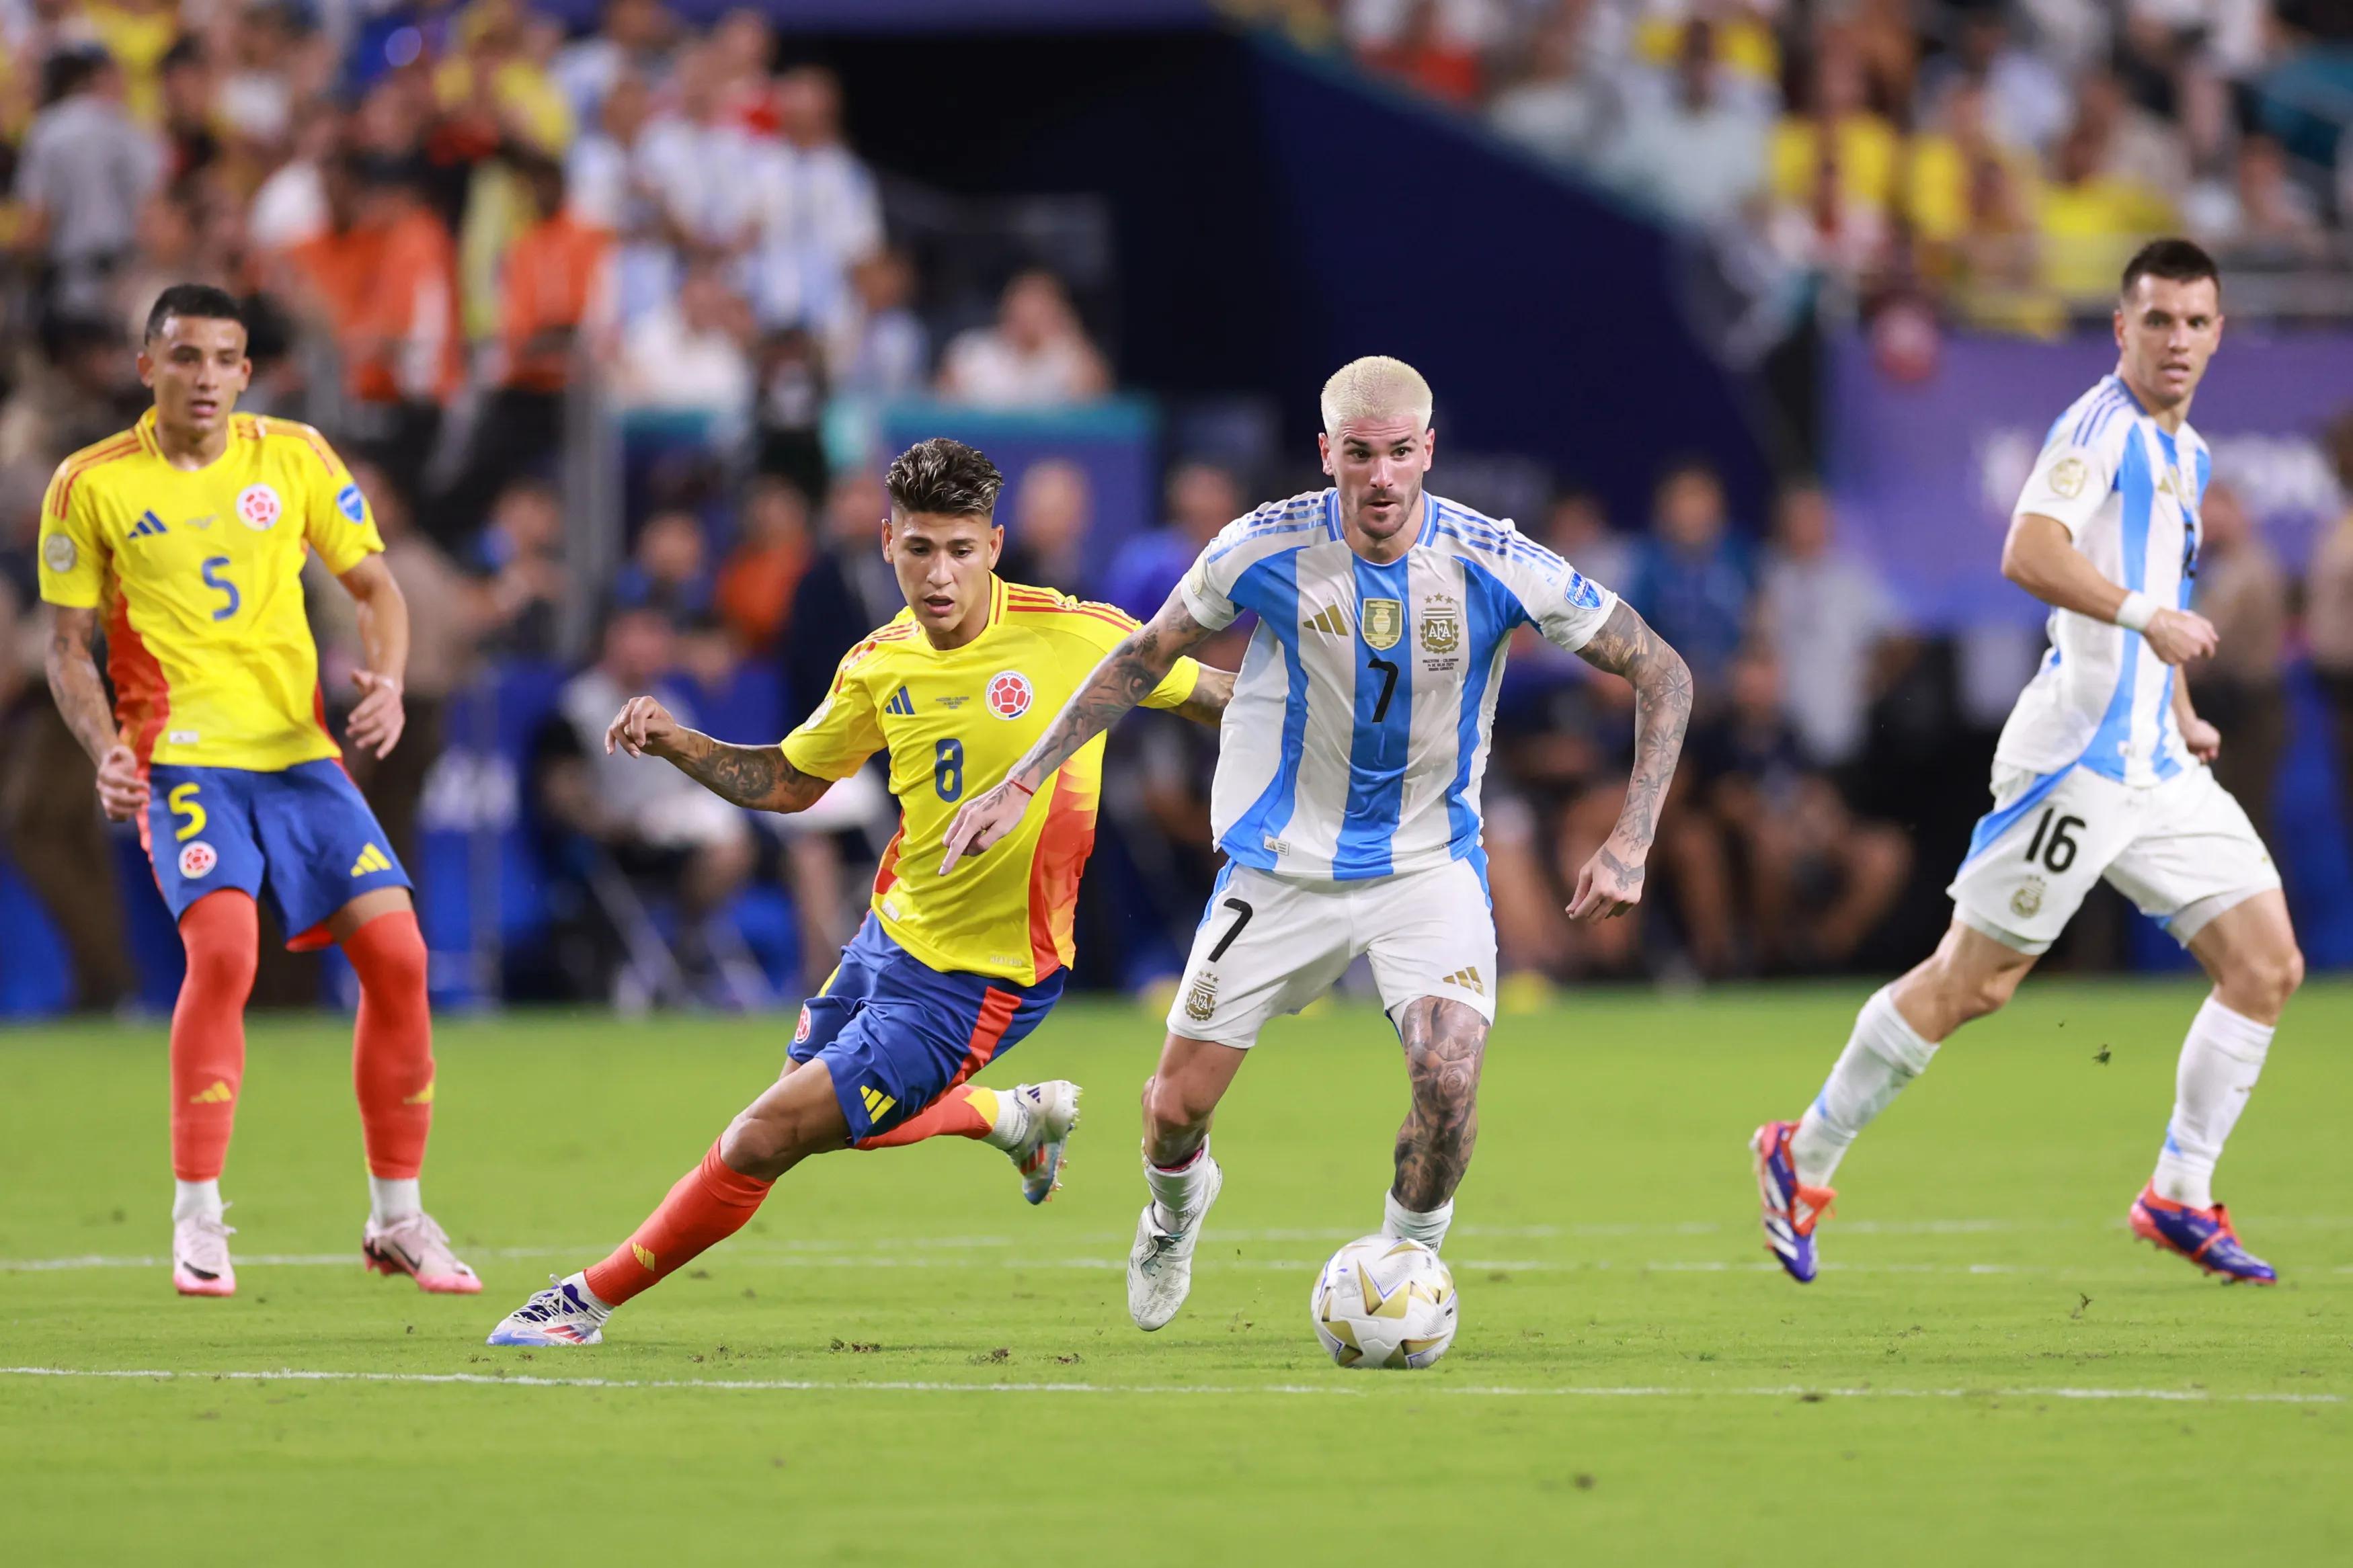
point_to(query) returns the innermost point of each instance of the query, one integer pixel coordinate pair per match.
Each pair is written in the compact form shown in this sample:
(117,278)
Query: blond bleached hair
(1375,388)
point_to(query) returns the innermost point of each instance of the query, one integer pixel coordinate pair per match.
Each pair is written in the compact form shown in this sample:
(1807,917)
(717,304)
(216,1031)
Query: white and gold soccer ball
(1385,1302)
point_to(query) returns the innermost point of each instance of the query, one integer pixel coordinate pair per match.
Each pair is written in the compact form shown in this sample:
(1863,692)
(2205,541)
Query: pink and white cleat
(200,1264)
(419,1248)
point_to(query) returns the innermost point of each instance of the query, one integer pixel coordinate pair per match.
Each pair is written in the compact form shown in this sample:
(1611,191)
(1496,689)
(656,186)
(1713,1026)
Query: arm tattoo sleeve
(1124,678)
(759,777)
(74,681)
(1662,702)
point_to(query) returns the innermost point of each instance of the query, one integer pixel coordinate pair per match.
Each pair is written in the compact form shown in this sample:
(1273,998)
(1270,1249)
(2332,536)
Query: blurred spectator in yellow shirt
(137,34)
(1838,129)
(2091,221)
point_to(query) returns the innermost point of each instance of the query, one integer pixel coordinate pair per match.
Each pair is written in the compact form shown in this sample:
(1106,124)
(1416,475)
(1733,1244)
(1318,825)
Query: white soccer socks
(196,1200)
(1176,1190)
(394,1198)
(1402,1224)
(2221,1060)
(1883,1054)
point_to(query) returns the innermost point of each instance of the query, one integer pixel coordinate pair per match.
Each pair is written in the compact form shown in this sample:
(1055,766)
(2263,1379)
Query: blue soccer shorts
(897,1033)
(303,839)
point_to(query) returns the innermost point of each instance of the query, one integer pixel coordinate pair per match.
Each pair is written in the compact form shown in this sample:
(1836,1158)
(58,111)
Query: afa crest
(1201,1000)
(1441,625)
(2067,476)
(1384,623)
(2028,899)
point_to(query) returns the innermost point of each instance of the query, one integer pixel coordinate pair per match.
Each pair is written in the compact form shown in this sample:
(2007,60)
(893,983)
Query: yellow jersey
(955,722)
(198,577)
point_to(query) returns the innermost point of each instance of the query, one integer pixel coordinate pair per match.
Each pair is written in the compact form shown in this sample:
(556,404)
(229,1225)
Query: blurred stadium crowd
(1999,157)
(454,222)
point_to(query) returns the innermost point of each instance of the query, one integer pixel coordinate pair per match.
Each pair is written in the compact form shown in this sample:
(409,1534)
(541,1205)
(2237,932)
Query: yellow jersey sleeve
(337,522)
(1106,625)
(73,554)
(833,741)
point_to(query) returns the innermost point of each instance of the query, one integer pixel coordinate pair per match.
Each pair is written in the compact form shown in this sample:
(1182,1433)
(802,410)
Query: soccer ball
(1381,1301)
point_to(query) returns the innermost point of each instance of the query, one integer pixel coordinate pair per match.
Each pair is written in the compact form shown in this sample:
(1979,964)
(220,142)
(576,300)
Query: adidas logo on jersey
(1331,620)
(219,1093)
(901,702)
(371,860)
(1467,979)
(878,1104)
(148,526)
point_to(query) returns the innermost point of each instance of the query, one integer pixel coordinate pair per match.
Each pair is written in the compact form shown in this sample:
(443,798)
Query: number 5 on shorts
(1243,912)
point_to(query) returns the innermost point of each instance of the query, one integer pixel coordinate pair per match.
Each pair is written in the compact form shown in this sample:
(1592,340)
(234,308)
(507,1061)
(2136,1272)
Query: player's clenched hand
(2178,635)
(376,724)
(1607,887)
(642,728)
(2204,740)
(983,820)
(122,788)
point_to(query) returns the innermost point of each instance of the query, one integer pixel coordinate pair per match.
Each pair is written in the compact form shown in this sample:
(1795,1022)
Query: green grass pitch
(900,1362)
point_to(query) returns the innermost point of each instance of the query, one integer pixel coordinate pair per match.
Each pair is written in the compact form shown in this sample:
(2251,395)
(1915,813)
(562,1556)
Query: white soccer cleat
(1053,1110)
(200,1265)
(419,1248)
(560,1315)
(1160,1264)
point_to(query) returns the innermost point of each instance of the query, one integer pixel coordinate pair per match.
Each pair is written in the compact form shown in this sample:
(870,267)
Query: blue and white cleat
(2205,1237)
(1043,1150)
(562,1314)
(1791,1207)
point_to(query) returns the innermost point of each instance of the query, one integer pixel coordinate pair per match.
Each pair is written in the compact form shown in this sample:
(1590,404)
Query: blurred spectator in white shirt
(1689,149)
(1565,108)
(291,204)
(691,353)
(817,210)
(2028,101)
(2263,217)
(1036,355)
(611,186)
(1826,614)
(875,344)
(698,163)
(632,39)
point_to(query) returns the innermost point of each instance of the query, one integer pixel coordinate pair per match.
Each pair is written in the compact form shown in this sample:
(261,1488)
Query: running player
(1346,798)
(2101,772)
(947,974)
(189,533)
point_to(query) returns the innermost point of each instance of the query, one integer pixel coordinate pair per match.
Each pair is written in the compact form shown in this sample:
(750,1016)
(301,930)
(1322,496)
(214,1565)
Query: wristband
(1017,783)
(2138,610)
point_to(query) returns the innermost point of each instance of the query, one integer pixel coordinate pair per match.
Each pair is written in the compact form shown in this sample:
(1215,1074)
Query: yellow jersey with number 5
(955,722)
(197,575)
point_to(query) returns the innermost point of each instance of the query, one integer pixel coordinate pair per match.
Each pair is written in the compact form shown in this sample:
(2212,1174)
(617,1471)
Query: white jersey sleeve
(1208,587)
(2077,469)
(1558,599)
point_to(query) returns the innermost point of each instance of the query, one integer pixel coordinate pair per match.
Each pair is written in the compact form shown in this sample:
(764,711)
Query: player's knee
(757,1144)
(396,959)
(1168,1109)
(223,945)
(2267,978)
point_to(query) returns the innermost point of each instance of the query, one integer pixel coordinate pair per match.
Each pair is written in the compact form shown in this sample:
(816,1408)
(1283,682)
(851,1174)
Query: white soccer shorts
(2182,850)
(1270,945)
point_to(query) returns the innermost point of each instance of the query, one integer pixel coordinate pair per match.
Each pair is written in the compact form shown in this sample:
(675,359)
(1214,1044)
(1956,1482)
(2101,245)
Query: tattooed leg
(1445,1044)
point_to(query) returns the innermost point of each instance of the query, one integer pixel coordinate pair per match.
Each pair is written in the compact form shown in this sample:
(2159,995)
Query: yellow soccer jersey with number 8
(198,575)
(954,720)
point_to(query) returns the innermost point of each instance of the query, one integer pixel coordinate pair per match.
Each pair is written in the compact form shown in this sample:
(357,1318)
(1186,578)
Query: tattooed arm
(759,777)
(82,700)
(1125,677)
(1611,883)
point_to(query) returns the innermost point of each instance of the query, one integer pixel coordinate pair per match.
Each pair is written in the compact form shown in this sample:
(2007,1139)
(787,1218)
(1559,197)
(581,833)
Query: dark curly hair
(944,477)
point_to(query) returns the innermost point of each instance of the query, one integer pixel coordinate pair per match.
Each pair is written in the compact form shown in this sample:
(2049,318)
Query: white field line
(754,1259)
(1335,1389)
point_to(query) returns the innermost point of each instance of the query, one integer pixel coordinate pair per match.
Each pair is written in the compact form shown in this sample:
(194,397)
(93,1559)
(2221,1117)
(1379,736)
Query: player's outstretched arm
(2040,556)
(82,698)
(1127,675)
(1611,883)
(759,777)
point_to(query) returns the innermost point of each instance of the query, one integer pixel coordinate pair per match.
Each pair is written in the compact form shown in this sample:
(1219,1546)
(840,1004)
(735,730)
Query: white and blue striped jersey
(2128,492)
(1360,723)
